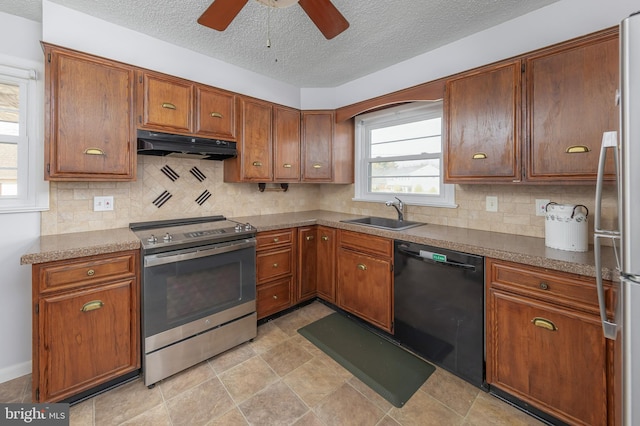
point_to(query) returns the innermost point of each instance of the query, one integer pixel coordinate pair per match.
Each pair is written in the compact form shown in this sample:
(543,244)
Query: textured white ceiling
(381,32)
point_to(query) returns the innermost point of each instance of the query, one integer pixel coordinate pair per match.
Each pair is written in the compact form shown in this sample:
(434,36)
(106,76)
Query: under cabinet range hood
(165,144)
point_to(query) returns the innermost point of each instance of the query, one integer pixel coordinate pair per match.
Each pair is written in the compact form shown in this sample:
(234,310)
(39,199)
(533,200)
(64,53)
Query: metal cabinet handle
(216,115)
(257,163)
(275,240)
(275,297)
(544,323)
(479,156)
(325,238)
(543,286)
(93,151)
(310,237)
(577,149)
(91,273)
(362,266)
(92,306)
(286,165)
(168,105)
(317,166)
(275,265)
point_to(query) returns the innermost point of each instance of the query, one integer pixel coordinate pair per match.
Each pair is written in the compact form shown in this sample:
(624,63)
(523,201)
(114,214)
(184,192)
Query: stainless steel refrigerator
(624,326)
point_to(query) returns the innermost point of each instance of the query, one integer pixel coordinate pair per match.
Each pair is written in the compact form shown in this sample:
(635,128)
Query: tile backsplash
(176,187)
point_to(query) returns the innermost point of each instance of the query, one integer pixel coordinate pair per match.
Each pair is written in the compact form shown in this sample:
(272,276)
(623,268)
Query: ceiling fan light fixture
(278,4)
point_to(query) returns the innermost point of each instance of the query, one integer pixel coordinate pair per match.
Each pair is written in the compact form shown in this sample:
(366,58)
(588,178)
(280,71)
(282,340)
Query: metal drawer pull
(275,240)
(286,165)
(577,149)
(544,323)
(94,151)
(317,166)
(168,105)
(91,273)
(362,266)
(92,306)
(216,115)
(275,297)
(257,163)
(275,265)
(479,156)
(325,238)
(310,237)
(544,286)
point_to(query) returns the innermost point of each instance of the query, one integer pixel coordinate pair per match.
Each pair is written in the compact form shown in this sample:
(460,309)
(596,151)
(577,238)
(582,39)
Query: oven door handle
(197,252)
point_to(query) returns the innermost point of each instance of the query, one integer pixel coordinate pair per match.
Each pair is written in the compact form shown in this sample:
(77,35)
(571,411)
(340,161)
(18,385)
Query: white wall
(20,230)
(557,22)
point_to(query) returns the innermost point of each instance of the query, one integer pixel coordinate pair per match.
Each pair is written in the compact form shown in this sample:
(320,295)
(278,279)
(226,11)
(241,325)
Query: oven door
(190,290)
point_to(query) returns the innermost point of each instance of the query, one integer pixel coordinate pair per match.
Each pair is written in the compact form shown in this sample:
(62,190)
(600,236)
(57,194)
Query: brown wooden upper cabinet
(317,140)
(538,118)
(89,120)
(286,144)
(174,105)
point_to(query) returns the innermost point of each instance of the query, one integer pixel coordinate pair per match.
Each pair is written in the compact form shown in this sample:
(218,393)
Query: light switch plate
(102,204)
(492,203)
(540,207)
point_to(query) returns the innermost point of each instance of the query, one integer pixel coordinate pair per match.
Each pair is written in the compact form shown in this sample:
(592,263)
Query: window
(399,154)
(22,186)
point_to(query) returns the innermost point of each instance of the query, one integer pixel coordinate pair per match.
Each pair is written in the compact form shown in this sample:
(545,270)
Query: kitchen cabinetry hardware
(216,115)
(325,238)
(309,237)
(479,156)
(275,297)
(168,105)
(257,163)
(544,286)
(577,149)
(92,306)
(317,166)
(286,166)
(91,272)
(275,240)
(362,266)
(275,265)
(544,323)
(93,151)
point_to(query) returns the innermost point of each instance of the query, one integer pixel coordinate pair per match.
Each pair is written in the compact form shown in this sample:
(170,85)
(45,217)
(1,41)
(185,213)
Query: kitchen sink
(384,223)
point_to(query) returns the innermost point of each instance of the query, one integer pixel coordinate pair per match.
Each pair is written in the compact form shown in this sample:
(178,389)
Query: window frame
(33,190)
(402,114)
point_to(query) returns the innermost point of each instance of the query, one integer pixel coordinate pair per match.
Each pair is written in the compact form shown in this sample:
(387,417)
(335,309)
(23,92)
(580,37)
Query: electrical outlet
(540,207)
(492,203)
(101,204)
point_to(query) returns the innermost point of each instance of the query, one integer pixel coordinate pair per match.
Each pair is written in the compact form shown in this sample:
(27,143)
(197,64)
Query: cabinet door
(86,338)
(326,276)
(482,122)
(570,103)
(551,357)
(167,103)
(317,151)
(286,144)
(89,118)
(364,287)
(256,149)
(308,262)
(274,296)
(215,113)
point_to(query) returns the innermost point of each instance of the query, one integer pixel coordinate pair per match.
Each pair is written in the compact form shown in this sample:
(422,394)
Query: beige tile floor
(281,379)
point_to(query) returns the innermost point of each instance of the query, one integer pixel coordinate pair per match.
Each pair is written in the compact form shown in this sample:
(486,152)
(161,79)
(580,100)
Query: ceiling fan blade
(327,18)
(220,13)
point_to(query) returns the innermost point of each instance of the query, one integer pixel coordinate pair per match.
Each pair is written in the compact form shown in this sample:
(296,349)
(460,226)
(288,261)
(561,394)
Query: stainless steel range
(198,291)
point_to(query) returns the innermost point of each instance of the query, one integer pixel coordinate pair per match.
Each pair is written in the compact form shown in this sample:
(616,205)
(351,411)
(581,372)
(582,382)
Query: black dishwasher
(439,307)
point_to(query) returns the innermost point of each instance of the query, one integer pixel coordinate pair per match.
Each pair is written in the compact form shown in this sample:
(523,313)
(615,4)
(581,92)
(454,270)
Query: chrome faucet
(399,206)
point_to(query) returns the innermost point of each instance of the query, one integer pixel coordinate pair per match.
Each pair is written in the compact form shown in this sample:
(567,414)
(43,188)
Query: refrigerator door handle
(609,140)
(609,328)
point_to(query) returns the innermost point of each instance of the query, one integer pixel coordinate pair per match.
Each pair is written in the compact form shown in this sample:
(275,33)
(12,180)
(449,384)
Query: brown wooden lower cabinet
(307,262)
(545,344)
(326,263)
(276,271)
(85,323)
(364,280)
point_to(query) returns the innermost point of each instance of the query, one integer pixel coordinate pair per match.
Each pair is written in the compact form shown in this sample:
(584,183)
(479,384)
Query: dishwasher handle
(420,256)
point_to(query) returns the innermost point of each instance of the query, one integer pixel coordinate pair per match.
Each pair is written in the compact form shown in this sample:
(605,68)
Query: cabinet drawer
(65,274)
(553,286)
(367,243)
(274,297)
(271,239)
(274,264)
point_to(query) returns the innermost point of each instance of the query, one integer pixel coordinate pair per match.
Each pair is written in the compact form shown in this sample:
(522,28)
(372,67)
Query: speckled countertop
(526,250)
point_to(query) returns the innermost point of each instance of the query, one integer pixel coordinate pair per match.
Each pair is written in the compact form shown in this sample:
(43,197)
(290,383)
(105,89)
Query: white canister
(566,226)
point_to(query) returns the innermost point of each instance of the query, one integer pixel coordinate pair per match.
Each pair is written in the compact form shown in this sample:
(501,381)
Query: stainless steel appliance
(198,291)
(439,307)
(625,238)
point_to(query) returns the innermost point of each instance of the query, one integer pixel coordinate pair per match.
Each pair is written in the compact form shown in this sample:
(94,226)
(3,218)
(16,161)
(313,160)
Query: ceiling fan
(323,13)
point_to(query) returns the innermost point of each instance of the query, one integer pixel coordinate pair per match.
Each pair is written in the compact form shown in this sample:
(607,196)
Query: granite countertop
(525,250)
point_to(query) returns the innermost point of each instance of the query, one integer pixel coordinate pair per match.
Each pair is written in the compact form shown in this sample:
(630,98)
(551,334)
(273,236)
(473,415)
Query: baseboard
(15,371)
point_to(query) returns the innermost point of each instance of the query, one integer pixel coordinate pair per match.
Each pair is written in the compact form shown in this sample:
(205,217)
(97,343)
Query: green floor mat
(391,371)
